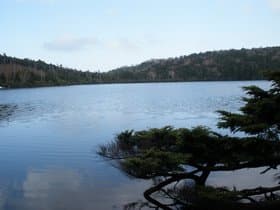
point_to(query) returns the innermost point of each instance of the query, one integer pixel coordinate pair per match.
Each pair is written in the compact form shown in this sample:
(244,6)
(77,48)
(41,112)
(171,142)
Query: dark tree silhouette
(180,160)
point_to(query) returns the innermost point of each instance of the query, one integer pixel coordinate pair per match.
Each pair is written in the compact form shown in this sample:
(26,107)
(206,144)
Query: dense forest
(16,72)
(244,64)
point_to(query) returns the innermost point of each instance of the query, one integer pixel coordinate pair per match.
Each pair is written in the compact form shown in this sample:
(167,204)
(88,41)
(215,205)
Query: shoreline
(125,82)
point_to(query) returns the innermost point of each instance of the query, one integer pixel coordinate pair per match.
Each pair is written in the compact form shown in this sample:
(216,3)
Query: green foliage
(260,115)
(215,194)
(154,163)
(174,155)
(165,149)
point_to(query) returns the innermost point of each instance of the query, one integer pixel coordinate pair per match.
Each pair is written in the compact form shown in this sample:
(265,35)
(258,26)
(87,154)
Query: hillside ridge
(222,65)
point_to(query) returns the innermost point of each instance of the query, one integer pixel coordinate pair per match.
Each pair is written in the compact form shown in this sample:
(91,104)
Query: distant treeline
(244,64)
(16,72)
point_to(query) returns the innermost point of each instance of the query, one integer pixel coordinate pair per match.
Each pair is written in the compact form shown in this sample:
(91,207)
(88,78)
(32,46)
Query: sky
(100,35)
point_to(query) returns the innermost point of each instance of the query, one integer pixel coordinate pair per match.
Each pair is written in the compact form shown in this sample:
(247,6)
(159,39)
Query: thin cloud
(274,4)
(70,44)
(123,44)
(37,1)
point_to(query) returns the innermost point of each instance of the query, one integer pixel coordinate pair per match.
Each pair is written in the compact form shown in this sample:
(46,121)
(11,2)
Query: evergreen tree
(180,160)
(260,116)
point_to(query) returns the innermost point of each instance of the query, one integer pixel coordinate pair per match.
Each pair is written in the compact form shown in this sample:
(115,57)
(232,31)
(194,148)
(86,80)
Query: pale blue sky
(104,34)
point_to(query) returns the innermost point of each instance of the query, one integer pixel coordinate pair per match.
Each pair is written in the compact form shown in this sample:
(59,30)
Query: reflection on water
(58,188)
(48,138)
(12,112)
(6,111)
(244,178)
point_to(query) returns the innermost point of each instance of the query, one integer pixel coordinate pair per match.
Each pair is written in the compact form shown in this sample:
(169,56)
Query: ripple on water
(49,138)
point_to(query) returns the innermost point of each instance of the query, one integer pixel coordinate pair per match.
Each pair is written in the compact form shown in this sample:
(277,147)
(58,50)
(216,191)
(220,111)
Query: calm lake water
(49,137)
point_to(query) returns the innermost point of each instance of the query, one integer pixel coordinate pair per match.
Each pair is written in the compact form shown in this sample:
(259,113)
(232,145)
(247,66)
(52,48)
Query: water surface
(49,137)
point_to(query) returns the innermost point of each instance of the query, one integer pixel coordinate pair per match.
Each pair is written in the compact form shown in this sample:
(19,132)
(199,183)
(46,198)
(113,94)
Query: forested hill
(16,72)
(244,64)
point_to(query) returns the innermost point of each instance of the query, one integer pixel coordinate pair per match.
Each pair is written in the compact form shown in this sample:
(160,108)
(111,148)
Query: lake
(49,137)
